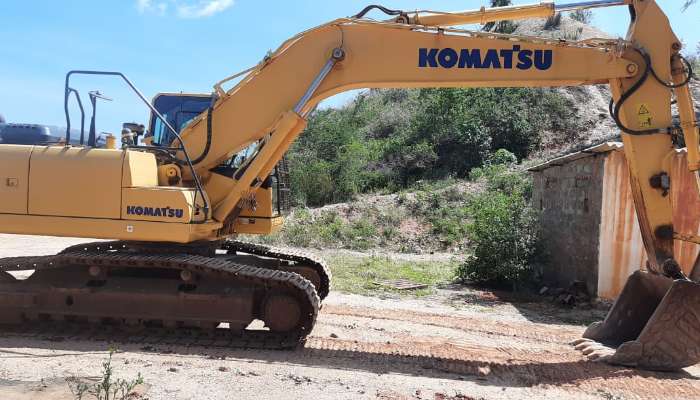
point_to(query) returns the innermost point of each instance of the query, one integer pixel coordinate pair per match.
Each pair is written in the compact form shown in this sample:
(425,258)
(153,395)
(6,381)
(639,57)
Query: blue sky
(178,45)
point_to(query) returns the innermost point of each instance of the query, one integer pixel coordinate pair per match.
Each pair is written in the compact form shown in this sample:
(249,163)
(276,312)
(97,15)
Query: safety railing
(188,161)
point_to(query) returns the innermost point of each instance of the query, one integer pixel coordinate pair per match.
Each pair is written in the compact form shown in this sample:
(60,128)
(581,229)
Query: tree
(695,61)
(500,26)
(688,3)
(582,15)
(448,138)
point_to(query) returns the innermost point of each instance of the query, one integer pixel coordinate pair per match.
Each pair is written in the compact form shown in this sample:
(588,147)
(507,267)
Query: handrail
(70,90)
(182,148)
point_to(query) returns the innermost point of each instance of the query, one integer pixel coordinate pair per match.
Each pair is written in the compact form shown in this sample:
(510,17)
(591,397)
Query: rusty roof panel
(591,151)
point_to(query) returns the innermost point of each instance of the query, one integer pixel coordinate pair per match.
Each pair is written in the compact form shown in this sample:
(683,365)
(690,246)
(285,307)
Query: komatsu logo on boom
(515,57)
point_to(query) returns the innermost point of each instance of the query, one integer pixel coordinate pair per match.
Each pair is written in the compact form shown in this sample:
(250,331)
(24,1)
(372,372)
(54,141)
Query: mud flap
(654,324)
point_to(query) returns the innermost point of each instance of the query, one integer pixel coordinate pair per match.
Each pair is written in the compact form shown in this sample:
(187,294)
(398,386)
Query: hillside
(426,219)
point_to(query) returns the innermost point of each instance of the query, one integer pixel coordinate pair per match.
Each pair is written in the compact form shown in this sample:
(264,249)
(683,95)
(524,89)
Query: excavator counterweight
(211,167)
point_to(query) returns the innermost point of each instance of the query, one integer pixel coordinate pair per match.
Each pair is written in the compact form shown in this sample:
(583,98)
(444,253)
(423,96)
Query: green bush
(387,140)
(582,15)
(503,230)
(444,210)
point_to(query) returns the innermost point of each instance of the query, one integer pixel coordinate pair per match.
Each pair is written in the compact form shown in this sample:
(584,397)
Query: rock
(566,299)
(298,380)
(483,372)
(223,369)
(334,336)
(172,369)
(544,290)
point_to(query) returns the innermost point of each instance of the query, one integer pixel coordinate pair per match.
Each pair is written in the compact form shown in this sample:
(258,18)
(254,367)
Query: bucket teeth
(654,324)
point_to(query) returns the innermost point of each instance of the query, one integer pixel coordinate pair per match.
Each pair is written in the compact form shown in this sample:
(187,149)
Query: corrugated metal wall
(621,251)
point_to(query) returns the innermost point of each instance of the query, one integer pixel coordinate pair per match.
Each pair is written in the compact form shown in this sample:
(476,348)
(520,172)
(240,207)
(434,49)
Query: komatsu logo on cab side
(155,211)
(515,57)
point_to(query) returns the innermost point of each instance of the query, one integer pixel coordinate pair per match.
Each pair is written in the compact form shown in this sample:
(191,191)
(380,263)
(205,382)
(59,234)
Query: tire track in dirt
(537,332)
(549,361)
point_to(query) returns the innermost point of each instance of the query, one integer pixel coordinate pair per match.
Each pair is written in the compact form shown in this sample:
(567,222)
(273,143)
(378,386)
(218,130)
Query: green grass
(325,230)
(357,274)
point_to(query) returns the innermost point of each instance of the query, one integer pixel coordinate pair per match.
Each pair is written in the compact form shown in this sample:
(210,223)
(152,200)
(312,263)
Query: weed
(553,22)
(108,388)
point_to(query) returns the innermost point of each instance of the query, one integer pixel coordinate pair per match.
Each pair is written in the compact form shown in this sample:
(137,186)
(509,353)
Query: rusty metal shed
(590,227)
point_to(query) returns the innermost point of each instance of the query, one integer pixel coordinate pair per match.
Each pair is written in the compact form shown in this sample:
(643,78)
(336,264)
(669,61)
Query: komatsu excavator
(209,168)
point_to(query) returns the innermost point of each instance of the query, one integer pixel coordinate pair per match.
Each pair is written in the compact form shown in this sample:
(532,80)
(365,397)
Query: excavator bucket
(654,324)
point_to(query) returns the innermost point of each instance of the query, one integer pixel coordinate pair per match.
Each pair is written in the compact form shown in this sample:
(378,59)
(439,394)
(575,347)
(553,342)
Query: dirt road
(459,344)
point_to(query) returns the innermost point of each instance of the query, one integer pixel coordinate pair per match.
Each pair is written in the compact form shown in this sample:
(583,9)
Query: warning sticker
(644,116)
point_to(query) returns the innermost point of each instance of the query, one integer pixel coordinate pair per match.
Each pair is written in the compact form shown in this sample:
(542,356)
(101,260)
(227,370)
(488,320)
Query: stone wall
(568,195)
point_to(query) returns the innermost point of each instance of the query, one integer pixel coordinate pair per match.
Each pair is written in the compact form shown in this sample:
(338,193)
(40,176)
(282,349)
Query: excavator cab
(178,109)
(272,200)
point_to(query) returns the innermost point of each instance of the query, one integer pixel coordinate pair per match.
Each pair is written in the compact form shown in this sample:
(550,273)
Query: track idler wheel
(654,324)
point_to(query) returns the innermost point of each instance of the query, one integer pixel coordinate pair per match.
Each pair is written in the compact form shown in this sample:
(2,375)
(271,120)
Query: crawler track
(297,257)
(29,309)
(288,259)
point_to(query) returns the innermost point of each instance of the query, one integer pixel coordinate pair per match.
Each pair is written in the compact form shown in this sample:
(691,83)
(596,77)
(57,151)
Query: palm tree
(688,3)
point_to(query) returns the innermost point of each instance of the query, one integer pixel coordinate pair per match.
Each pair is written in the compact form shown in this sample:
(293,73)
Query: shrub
(553,22)
(503,231)
(500,26)
(695,62)
(445,217)
(582,15)
(502,157)
(390,139)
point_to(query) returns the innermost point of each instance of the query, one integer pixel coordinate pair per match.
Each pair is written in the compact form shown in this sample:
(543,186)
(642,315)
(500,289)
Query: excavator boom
(214,180)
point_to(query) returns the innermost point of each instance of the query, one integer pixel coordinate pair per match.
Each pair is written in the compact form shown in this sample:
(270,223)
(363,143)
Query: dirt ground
(458,344)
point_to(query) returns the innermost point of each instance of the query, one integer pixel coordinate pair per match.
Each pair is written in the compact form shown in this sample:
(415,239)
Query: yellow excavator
(210,167)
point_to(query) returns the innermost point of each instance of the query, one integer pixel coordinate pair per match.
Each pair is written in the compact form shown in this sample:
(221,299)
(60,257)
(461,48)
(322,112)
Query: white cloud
(184,8)
(203,8)
(148,6)
(143,5)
